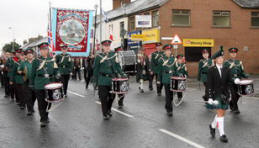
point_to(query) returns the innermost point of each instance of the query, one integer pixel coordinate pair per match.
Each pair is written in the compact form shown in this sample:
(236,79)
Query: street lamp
(12,30)
(95,7)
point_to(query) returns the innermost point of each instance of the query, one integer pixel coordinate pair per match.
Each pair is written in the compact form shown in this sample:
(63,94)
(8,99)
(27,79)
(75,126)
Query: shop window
(194,54)
(181,18)
(221,18)
(122,28)
(255,19)
(155,18)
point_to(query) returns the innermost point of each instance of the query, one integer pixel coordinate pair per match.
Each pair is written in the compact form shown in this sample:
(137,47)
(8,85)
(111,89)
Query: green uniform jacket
(155,61)
(203,69)
(9,65)
(65,64)
(180,70)
(40,67)
(236,68)
(16,77)
(105,68)
(167,68)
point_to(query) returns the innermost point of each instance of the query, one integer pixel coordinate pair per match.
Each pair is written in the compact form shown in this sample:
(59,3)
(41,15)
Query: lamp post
(96,7)
(11,29)
(101,11)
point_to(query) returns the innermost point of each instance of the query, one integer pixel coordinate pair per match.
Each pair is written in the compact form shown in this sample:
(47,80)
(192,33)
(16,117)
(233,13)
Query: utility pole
(101,11)
(96,7)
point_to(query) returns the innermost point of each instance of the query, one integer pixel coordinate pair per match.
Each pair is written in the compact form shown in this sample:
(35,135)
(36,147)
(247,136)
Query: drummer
(237,70)
(65,66)
(167,63)
(155,66)
(204,66)
(104,70)
(180,70)
(44,70)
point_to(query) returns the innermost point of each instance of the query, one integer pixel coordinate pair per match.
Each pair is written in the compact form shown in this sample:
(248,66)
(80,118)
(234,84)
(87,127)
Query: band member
(44,71)
(88,70)
(18,79)
(77,68)
(150,73)
(156,68)
(141,69)
(219,78)
(204,66)
(7,55)
(29,93)
(167,63)
(180,70)
(10,65)
(65,66)
(104,71)
(237,70)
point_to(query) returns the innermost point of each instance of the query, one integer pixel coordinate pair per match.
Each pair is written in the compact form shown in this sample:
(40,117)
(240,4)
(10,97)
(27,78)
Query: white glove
(210,101)
(237,81)
(216,102)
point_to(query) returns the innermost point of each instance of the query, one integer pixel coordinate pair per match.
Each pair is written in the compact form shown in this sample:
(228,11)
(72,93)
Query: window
(122,29)
(255,19)
(132,23)
(221,18)
(181,18)
(194,54)
(155,18)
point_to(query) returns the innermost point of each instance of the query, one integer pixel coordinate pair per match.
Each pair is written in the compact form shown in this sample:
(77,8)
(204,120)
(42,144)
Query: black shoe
(141,91)
(106,117)
(205,98)
(212,132)
(151,89)
(169,114)
(236,111)
(29,114)
(223,139)
(44,123)
(22,107)
(6,96)
(109,113)
(159,94)
(120,105)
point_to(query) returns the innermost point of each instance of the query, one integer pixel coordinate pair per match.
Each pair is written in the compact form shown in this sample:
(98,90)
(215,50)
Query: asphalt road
(142,123)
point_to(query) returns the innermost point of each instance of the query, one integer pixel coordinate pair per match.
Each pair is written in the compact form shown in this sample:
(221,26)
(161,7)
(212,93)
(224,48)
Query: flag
(111,37)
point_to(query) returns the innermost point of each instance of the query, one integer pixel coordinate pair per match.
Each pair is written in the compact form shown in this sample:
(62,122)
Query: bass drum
(54,92)
(120,85)
(178,84)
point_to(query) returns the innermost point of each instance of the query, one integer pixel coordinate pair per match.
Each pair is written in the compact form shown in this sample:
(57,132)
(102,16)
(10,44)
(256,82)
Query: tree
(25,42)
(11,46)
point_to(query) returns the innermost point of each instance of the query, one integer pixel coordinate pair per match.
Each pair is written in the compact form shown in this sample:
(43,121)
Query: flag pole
(100,21)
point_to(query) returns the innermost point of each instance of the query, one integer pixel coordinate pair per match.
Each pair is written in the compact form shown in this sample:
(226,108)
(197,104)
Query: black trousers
(169,98)
(19,94)
(159,85)
(106,98)
(77,72)
(88,73)
(30,98)
(234,97)
(179,94)
(150,77)
(121,99)
(64,80)
(6,85)
(42,105)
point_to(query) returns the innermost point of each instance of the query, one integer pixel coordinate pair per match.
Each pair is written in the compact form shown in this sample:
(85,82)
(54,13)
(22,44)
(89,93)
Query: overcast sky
(29,18)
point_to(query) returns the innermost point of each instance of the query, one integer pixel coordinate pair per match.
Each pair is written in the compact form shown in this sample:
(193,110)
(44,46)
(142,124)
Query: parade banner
(72,28)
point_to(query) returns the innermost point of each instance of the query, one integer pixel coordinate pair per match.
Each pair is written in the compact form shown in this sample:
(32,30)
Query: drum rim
(54,87)
(252,81)
(55,101)
(178,78)
(118,92)
(120,79)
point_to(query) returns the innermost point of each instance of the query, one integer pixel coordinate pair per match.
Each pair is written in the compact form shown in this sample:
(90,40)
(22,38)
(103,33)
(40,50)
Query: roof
(247,3)
(133,7)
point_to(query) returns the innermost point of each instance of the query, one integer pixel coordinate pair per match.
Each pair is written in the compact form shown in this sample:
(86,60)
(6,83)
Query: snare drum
(245,87)
(178,84)
(120,85)
(54,92)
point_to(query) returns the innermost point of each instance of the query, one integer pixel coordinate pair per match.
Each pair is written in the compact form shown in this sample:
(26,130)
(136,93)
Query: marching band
(45,78)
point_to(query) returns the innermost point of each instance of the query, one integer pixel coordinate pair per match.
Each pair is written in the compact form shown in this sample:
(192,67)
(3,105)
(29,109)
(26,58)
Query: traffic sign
(176,40)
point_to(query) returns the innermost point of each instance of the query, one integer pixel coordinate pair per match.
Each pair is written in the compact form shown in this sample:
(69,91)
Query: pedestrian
(167,63)
(203,69)
(29,93)
(9,66)
(237,71)
(141,69)
(104,71)
(65,66)
(219,78)
(77,68)
(44,71)
(88,70)
(156,68)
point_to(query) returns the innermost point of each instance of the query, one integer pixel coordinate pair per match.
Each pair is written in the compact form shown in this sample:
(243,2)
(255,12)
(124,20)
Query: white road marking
(118,111)
(76,94)
(181,138)
(98,102)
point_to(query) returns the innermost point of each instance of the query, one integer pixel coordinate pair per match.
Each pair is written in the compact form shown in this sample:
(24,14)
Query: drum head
(120,79)
(178,78)
(246,82)
(53,86)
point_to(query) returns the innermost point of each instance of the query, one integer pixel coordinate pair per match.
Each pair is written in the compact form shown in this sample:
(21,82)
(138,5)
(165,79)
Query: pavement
(77,122)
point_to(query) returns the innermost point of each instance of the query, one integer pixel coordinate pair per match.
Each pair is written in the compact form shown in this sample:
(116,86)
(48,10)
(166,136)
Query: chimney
(119,3)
